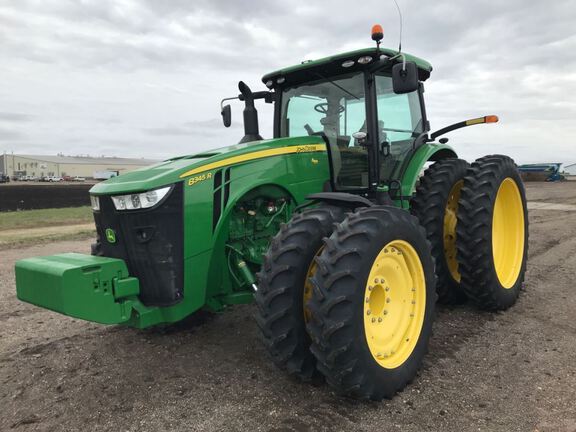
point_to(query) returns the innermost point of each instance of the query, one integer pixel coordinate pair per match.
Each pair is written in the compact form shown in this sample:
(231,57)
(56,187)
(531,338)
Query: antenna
(400,16)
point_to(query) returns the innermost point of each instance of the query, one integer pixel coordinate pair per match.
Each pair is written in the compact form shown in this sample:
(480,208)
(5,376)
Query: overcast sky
(144,78)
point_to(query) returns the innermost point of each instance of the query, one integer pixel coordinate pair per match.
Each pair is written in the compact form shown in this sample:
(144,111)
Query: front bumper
(88,287)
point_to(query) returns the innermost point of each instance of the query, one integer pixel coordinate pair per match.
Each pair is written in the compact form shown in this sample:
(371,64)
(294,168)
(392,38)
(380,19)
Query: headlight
(141,200)
(95,203)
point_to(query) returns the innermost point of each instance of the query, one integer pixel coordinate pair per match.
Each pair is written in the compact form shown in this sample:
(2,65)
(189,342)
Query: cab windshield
(335,108)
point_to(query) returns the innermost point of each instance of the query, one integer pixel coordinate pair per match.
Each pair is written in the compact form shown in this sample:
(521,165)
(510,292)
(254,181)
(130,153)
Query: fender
(340,198)
(425,153)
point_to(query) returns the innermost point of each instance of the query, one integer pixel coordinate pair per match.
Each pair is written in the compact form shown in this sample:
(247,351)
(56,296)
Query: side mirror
(226,115)
(405,80)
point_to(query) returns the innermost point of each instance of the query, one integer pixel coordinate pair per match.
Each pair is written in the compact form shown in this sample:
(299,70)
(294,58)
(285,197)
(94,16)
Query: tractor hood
(177,169)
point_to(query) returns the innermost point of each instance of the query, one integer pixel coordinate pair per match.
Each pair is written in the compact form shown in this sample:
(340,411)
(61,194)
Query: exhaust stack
(251,132)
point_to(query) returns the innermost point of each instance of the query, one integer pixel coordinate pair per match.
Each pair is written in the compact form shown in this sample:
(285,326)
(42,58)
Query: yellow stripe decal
(475,121)
(305,148)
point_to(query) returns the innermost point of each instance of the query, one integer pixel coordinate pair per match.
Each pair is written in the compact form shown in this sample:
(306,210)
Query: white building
(16,165)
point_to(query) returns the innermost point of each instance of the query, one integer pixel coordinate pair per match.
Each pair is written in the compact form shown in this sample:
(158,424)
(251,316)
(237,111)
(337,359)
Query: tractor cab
(367,105)
(350,101)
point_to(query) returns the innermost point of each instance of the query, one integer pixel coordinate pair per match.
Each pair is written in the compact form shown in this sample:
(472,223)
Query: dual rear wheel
(476,219)
(350,297)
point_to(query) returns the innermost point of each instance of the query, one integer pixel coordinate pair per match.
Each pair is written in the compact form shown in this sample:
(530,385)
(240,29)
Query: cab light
(142,200)
(348,63)
(365,60)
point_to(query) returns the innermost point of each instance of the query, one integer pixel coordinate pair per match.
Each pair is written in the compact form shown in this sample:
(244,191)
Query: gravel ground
(511,371)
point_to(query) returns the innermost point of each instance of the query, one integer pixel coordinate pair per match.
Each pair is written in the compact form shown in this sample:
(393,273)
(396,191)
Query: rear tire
(373,303)
(492,233)
(435,204)
(281,290)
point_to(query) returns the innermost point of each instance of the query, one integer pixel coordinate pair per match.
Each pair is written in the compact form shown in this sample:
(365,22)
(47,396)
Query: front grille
(151,242)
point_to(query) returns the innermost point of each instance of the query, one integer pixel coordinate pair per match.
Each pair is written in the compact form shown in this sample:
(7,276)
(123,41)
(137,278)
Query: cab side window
(399,123)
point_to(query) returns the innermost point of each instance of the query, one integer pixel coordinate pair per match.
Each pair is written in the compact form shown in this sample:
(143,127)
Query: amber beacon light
(377,33)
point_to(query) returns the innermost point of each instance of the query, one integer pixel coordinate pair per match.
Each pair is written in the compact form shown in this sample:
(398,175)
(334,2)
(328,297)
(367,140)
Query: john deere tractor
(330,227)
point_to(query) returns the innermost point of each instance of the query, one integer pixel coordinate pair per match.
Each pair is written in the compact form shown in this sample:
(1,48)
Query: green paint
(82,286)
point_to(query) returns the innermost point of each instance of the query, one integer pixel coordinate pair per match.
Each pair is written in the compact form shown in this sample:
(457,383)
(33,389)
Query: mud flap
(88,287)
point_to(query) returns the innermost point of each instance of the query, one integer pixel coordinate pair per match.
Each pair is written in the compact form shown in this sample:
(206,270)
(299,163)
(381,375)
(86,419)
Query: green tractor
(330,227)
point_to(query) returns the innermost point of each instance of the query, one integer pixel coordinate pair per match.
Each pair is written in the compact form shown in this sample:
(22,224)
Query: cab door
(400,122)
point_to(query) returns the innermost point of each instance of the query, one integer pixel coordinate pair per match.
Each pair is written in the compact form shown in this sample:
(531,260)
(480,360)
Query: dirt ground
(511,371)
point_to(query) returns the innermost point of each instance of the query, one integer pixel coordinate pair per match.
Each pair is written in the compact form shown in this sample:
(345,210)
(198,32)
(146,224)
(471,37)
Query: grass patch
(10,242)
(45,218)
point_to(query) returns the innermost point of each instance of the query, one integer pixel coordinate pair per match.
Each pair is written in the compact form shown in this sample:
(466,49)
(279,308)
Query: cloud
(15,117)
(146,77)
(11,135)
(211,127)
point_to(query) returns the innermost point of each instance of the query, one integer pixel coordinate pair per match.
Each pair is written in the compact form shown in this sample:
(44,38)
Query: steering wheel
(322,108)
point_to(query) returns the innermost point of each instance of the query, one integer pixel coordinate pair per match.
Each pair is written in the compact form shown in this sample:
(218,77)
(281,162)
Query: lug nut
(385,312)
(369,312)
(388,300)
(381,281)
(380,319)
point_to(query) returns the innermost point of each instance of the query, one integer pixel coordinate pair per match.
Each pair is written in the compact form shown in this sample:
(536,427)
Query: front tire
(492,233)
(281,313)
(373,303)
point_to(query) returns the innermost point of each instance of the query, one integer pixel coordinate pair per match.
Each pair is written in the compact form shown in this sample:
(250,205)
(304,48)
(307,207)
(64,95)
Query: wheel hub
(395,302)
(508,233)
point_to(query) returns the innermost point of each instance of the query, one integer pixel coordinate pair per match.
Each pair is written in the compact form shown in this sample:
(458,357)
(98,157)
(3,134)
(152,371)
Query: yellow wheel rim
(508,233)
(394,304)
(450,219)
(307,295)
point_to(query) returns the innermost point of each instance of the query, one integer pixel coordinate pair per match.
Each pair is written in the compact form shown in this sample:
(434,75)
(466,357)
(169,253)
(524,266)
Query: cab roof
(332,65)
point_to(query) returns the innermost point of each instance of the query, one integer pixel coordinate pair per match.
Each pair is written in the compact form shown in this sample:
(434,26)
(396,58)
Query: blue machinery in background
(541,172)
